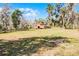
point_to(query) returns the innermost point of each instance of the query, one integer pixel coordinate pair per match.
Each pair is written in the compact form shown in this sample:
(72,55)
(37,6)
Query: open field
(54,41)
(40,33)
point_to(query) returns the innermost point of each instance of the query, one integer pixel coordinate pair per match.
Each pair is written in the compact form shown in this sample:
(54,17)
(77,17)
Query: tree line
(63,15)
(12,21)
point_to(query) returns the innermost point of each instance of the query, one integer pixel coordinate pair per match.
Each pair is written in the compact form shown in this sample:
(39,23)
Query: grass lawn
(54,41)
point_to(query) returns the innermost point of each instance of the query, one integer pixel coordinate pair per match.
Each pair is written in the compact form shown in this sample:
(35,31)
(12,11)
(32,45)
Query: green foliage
(49,9)
(15,17)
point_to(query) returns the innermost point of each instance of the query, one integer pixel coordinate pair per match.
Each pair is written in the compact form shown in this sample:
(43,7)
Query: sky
(33,10)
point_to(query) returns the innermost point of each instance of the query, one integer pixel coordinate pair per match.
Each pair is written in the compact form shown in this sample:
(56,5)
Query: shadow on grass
(28,46)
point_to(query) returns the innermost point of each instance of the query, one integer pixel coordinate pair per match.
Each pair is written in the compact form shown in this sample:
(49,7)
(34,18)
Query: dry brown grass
(67,49)
(40,33)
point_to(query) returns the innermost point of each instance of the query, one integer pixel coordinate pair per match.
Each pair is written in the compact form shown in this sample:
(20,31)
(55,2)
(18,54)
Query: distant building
(40,25)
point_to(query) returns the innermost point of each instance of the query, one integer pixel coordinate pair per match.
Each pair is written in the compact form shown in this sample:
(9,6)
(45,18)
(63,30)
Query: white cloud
(28,9)
(21,9)
(29,12)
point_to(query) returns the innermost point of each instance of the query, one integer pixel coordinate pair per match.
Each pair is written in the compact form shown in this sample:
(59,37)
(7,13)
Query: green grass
(36,42)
